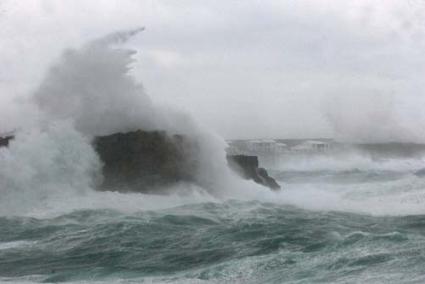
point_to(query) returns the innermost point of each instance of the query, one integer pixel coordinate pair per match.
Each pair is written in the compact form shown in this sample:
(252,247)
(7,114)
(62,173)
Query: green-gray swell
(232,242)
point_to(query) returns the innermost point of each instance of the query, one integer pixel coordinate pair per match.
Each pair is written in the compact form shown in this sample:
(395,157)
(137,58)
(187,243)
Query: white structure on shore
(311,146)
(276,147)
(263,146)
(266,146)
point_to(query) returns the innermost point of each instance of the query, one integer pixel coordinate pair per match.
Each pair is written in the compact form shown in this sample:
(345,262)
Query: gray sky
(305,68)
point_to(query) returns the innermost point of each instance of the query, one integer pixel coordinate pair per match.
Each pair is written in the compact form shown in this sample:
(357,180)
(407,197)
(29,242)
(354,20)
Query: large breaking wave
(89,92)
(55,226)
(51,167)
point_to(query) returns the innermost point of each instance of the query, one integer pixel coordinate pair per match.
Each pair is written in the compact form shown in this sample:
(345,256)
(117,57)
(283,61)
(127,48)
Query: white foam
(16,244)
(52,167)
(347,161)
(42,165)
(403,197)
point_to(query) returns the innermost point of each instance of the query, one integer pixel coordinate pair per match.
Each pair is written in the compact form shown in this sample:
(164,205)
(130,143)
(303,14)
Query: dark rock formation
(145,161)
(151,161)
(4,141)
(248,168)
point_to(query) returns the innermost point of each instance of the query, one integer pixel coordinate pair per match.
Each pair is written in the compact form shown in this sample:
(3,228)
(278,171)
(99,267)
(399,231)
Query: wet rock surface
(149,161)
(248,168)
(4,140)
(152,161)
(145,161)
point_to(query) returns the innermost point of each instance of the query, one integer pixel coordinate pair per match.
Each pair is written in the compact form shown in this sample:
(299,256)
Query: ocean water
(337,220)
(351,216)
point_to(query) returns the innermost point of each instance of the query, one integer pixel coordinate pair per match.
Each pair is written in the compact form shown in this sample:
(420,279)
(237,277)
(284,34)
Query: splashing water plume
(89,93)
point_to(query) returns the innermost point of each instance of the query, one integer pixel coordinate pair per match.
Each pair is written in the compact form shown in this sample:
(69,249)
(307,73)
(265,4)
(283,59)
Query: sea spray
(40,164)
(376,114)
(91,86)
(352,180)
(89,92)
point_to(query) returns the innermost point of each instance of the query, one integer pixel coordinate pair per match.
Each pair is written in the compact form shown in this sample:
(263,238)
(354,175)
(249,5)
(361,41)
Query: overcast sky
(317,68)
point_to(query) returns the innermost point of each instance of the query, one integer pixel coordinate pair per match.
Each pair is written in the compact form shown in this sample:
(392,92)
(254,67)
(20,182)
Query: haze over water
(350,211)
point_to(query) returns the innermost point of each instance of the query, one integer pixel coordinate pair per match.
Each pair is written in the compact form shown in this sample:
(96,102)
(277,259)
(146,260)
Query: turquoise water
(351,220)
(230,242)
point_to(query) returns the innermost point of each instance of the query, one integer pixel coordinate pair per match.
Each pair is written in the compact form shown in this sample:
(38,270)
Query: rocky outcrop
(145,161)
(248,168)
(4,141)
(152,161)
(149,161)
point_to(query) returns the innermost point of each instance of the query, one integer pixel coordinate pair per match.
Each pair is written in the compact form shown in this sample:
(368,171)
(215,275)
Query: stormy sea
(346,212)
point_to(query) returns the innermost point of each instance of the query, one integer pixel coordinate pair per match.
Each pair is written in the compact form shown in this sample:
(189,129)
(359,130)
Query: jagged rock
(267,180)
(248,168)
(4,141)
(150,161)
(145,161)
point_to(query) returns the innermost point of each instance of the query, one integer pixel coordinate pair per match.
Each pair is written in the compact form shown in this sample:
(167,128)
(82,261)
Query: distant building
(262,146)
(258,146)
(311,146)
(270,147)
